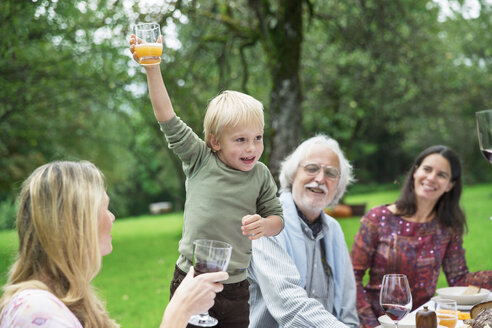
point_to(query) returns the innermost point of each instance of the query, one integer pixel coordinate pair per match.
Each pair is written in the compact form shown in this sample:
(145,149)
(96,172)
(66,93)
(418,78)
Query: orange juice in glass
(447,312)
(149,43)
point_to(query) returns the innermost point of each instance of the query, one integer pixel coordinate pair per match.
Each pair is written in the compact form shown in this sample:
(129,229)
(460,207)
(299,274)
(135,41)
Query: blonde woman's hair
(58,239)
(230,108)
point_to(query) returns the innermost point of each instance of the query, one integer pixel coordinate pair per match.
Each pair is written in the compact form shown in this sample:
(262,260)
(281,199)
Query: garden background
(386,78)
(135,277)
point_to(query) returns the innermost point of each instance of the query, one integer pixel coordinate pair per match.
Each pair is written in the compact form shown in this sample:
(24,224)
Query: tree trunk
(281,37)
(285,118)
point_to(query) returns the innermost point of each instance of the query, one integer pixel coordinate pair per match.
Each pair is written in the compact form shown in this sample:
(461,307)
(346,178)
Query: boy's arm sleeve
(268,203)
(185,143)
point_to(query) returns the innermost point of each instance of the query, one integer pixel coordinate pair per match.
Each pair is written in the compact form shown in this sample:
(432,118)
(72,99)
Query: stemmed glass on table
(484,130)
(395,297)
(209,256)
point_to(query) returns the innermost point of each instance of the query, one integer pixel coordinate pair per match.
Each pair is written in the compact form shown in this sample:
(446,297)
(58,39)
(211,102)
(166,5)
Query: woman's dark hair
(447,209)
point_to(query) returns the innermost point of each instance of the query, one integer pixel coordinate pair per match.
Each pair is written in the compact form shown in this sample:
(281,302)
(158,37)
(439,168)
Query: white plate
(456,293)
(407,322)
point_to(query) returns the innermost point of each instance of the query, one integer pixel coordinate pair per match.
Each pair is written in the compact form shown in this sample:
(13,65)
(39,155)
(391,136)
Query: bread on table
(471,290)
(479,308)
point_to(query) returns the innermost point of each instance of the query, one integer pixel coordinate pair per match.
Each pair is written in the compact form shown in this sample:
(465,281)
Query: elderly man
(303,277)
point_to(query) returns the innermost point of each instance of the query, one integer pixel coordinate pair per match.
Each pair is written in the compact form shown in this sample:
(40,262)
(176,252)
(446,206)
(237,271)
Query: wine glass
(395,297)
(447,312)
(484,130)
(209,256)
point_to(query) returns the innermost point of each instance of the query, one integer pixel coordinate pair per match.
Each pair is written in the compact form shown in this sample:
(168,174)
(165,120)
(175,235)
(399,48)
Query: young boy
(230,195)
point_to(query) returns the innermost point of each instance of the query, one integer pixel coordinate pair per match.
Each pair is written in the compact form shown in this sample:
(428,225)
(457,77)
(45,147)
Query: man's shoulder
(330,221)
(268,247)
(266,242)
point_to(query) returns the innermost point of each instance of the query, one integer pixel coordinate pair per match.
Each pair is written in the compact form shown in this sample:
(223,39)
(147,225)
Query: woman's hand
(194,295)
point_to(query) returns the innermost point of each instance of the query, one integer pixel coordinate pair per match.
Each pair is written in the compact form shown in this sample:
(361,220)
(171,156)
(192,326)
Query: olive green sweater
(217,197)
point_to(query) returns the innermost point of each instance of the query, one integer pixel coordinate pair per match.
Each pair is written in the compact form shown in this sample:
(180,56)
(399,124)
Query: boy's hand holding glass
(146,44)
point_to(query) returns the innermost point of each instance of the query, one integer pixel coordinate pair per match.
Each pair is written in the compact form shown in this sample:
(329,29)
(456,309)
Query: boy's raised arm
(163,109)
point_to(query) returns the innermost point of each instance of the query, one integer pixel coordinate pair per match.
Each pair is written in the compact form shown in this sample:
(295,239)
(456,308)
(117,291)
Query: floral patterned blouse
(386,243)
(37,308)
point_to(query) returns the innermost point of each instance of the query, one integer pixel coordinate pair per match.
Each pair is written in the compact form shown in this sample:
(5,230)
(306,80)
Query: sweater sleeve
(268,203)
(456,270)
(362,253)
(185,143)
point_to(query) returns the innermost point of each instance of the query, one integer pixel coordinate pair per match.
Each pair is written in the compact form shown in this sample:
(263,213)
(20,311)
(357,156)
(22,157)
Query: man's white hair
(291,163)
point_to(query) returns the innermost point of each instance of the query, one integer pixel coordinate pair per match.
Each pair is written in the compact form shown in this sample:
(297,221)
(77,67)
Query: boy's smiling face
(240,147)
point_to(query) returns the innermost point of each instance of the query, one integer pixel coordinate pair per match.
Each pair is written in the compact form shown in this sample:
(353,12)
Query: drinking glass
(484,130)
(149,43)
(209,256)
(395,297)
(447,312)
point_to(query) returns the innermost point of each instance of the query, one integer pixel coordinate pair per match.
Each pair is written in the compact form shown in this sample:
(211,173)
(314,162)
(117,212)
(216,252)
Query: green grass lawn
(135,277)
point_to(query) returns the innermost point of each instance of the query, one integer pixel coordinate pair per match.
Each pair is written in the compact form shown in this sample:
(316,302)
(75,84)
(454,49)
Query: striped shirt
(277,298)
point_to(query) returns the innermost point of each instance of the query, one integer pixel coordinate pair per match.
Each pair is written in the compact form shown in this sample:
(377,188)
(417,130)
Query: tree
(62,91)
(238,26)
(371,69)
(385,78)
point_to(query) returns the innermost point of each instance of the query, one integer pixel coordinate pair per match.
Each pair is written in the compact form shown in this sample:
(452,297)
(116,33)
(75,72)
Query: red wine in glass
(209,256)
(395,312)
(205,267)
(395,296)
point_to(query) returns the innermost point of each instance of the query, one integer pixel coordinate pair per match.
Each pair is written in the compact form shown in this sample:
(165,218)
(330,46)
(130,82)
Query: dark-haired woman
(418,235)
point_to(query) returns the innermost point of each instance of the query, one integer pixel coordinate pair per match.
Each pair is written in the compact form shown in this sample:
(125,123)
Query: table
(431,305)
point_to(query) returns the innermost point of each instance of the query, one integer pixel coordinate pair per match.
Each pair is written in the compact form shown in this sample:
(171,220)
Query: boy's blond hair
(230,108)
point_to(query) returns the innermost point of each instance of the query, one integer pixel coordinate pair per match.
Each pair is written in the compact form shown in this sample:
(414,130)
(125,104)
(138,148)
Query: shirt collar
(315,226)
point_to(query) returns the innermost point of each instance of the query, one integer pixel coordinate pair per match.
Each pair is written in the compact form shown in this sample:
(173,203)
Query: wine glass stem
(396,324)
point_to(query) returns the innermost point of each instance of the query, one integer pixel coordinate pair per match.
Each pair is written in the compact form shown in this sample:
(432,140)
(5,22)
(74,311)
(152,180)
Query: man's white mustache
(316,185)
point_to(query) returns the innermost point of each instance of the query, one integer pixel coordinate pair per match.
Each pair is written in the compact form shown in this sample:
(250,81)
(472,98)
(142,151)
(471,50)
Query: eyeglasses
(313,169)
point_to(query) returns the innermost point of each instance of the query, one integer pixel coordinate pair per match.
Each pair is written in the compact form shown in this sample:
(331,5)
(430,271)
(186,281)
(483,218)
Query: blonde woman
(64,226)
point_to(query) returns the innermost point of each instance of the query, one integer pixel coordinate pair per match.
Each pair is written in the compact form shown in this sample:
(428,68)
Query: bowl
(407,322)
(456,293)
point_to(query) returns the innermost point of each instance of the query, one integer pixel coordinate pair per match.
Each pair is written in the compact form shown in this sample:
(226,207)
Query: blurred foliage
(385,78)
(8,212)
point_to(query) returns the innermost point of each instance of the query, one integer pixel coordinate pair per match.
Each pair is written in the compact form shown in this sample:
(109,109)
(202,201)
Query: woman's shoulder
(378,213)
(36,294)
(38,307)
